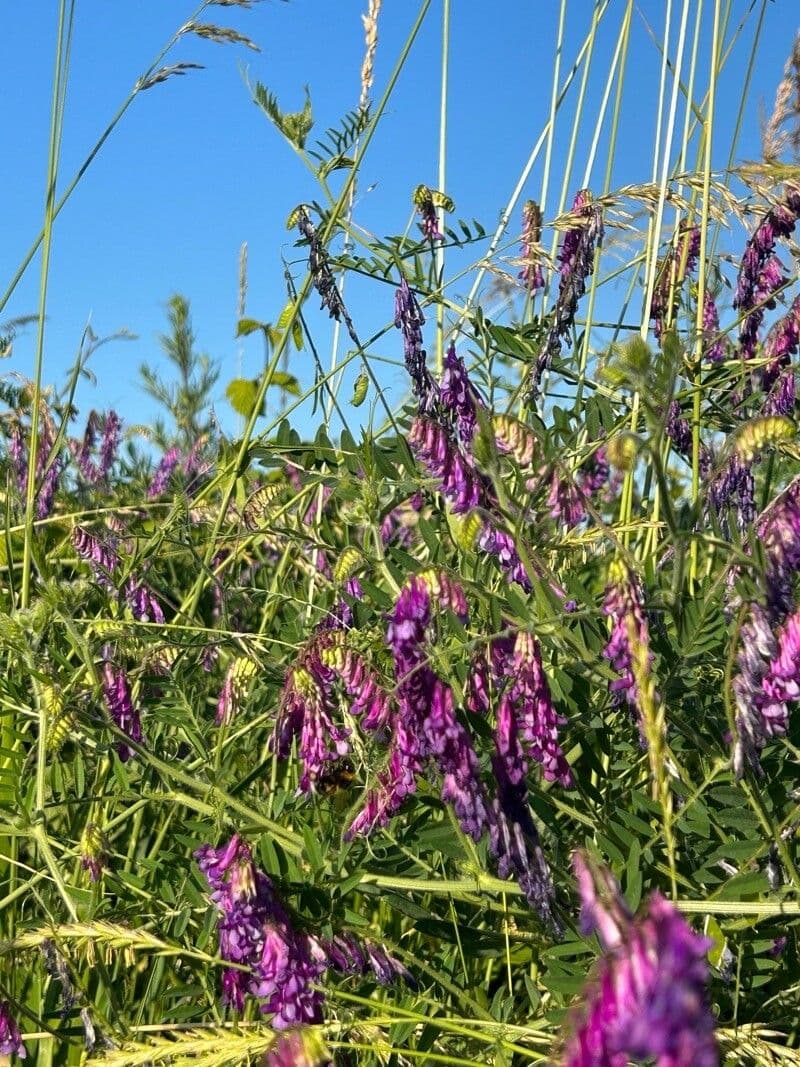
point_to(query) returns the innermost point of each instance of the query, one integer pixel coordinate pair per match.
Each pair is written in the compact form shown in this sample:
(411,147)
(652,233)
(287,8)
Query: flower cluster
(761,272)
(408,318)
(513,837)
(110,425)
(10,1037)
(297,1048)
(576,263)
(458,396)
(104,561)
(647,997)
(307,711)
(236,686)
(440,454)
(629,635)
(676,268)
(49,464)
(124,713)
(282,964)
(713,343)
(424,724)
(778,377)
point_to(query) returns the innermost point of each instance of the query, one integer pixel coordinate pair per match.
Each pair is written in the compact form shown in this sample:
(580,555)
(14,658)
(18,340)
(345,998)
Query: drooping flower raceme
(778,376)
(676,268)
(119,701)
(408,318)
(761,272)
(646,999)
(713,343)
(283,963)
(458,395)
(424,724)
(576,263)
(630,637)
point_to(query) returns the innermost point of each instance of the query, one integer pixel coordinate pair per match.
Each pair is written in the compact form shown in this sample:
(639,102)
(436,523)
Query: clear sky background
(195,169)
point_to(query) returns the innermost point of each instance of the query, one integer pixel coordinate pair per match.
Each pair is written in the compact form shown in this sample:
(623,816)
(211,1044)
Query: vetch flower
(283,964)
(238,680)
(10,1037)
(629,634)
(307,710)
(94,851)
(163,473)
(646,999)
(298,1048)
(564,501)
(761,272)
(576,263)
(513,837)
(676,268)
(458,396)
(322,275)
(102,558)
(459,480)
(119,701)
(713,343)
(780,345)
(409,319)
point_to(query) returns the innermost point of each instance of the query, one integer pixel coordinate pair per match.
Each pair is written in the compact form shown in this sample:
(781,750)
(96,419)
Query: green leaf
(244,327)
(287,382)
(242,394)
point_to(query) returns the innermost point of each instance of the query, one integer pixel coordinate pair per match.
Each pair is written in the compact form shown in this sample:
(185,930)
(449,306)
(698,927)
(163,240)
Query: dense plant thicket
(459,732)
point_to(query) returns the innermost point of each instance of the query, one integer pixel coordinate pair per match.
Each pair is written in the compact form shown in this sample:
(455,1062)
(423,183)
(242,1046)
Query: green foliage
(187,400)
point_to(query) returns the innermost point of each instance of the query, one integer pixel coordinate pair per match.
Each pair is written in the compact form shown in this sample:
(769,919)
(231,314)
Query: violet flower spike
(715,348)
(409,319)
(118,700)
(163,472)
(459,396)
(623,605)
(647,997)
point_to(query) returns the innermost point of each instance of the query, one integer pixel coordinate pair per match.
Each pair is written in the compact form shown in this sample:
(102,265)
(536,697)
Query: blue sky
(195,169)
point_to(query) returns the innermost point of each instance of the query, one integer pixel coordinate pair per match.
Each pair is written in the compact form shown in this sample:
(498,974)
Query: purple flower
(459,480)
(647,996)
(538,719)
(284,963)
(678,430)
(715,347)
(10,1037)
(576,263)
(322,275)
(761,272)
(734,485)
(142,602)
(118,699)
(780,345)
(307,709)
(458,395)
(94,851)
(424,724)
(513,837)
(163,473)
(629,633)
(409,319)
(676,267)
(593,475)
(370,700)
(103,559)
(500,544)
(564,501)
(778,530)
(759,687)
(109,443)
(423,201)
